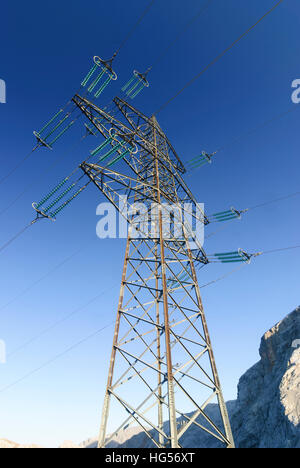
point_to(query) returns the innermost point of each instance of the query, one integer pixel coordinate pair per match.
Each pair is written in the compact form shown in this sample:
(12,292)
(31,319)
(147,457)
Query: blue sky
(46,51)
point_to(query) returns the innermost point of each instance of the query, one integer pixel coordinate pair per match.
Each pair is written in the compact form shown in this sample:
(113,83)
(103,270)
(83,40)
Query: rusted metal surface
(161,343)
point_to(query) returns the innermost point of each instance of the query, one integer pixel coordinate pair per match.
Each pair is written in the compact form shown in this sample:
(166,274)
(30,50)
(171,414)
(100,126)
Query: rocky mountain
(266,413)
(12,445)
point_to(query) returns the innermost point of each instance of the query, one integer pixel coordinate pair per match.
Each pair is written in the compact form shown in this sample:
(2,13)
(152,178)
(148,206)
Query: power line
(59,265)
(217,59)
(259,127)
(55,163)
(58,322)
(15,237)
(224,276)
(172,43)
(202,10)
(270,202)
(55,358)
(261,205)
(276,200)
(281,250)
(8,243)
(181,32)
(20,163)
(19,234)
(245,264)
(132,30)
(12,171)
(58,356)
(193,163)
(17,166)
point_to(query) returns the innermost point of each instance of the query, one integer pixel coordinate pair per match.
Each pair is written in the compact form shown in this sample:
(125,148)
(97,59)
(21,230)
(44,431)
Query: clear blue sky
(46,49)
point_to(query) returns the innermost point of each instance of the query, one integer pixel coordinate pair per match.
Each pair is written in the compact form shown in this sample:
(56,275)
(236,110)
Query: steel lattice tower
(162,372)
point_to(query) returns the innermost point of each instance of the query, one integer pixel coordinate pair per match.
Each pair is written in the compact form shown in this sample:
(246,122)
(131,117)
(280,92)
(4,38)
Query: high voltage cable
(171,44)
(192,165)
(55,163)
(44,173)
(276,200)
(117,51)
(20,163)
(270,202)
(78,343)
(12,171)
(221,55)
(281,250)
(245,264)
(58,322)
(55,358)
(55,268)
(15,237)
(34,221)
(98,331)
(202,10)
(219,230)
(244,135)
(255,129)
(183,30)
(3,179)
(145,12)
(67,259)
(224,276)
(260,205)
(27,157)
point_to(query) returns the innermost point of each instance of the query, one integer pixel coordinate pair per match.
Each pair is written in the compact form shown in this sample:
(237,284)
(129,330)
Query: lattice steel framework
(162,372)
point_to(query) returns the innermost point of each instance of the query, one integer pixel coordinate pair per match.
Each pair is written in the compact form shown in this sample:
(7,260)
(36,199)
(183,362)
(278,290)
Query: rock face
(266,413)
(67,444)
(12,445)
(124,439)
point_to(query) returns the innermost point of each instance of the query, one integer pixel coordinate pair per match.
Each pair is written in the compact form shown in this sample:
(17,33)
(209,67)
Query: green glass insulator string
(101,147)
(50,121)
(133,87)
(225,254)
(229,215)
(232,257)
(50,194)
(226,216)
(105,84)
(128,84)
(118,158)
(56,189)
(88,76)
(56,127)
(65,192)
(222,213)
(138,91)
(62,133)
(199,162)
(96,81)
(110,152)
(67,202)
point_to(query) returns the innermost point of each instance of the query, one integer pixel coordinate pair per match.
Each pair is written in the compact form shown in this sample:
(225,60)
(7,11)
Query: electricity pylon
(162,371)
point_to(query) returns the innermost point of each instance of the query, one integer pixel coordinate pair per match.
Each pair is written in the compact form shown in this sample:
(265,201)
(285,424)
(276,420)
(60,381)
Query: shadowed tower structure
(162,372)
